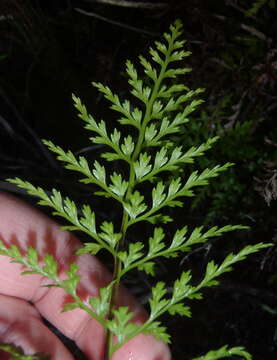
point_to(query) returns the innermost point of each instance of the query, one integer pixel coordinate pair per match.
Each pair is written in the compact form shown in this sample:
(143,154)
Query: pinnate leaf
(148,267)
(133,254)
(157,301)
(121,326)
(179,309)
(224,352)
(136,205)
(159,331)
(101,303)
(118,185)
(89,248)
(155,243)
(108,234)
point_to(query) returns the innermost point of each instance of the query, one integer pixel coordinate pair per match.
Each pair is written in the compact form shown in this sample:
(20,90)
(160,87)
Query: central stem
(115,287)
(125,217)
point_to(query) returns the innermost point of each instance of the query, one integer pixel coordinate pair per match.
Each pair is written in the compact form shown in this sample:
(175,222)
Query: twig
(248,290)
(31,132)
(254,32)
(133,4)
(117,23)
(239,8)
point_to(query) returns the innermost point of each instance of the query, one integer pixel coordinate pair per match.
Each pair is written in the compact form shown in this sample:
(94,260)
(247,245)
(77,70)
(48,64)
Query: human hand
(23,301)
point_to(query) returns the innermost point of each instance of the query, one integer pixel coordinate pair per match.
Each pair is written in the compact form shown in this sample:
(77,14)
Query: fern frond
(164,162)
(224,352)
(161,108)
(67,209)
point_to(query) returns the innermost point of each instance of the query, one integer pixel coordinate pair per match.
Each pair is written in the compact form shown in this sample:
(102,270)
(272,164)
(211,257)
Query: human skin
(23,300)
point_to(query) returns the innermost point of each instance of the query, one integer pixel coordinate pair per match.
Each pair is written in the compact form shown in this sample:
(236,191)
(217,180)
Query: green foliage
(225,352)
(3,57)
(151,157)
(16,353)
(257,5)
(239,142)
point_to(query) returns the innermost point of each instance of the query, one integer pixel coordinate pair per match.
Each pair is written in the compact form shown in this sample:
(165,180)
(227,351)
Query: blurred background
(51,49)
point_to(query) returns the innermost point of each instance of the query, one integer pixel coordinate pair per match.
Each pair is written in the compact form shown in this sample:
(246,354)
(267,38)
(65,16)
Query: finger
(25,226)
(143,347)
(20,324)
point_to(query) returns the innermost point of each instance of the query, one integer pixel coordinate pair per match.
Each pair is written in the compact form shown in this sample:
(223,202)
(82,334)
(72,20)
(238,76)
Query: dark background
(49,49)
